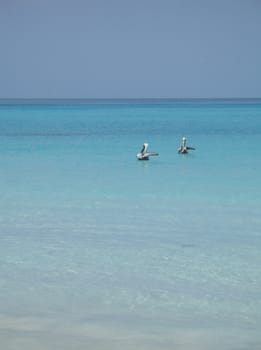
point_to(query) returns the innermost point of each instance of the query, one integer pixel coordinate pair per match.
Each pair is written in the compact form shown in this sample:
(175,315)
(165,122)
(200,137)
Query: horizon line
(129,98)
(124,101)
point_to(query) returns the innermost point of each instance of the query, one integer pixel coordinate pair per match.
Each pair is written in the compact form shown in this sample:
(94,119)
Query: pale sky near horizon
(130,48)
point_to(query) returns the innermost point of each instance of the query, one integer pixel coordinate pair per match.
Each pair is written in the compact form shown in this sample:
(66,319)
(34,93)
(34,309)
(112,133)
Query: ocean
(99,250)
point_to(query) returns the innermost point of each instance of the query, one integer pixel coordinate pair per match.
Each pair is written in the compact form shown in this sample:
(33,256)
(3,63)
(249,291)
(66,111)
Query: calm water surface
(101,251)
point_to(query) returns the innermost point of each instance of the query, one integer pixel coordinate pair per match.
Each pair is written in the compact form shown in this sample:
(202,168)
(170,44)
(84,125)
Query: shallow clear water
(99,250)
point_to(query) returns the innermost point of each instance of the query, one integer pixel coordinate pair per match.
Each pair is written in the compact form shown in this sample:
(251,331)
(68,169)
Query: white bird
(184,148)
(143,154)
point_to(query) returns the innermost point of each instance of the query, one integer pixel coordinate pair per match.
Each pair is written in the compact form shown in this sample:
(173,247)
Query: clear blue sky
(130,48)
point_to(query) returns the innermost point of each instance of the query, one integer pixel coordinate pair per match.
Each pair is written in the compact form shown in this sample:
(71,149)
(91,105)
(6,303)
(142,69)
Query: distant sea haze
(83,101)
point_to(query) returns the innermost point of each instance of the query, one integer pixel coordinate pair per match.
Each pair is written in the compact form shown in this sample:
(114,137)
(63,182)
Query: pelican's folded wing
(148,154)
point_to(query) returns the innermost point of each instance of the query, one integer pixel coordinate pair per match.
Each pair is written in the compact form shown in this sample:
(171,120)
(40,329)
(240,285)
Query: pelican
(143,154)
(184,148)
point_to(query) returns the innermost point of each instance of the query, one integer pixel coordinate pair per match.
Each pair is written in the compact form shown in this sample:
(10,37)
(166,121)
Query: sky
(130,48)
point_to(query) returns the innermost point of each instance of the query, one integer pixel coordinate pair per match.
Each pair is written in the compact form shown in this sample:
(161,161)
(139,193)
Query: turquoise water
(101,251)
